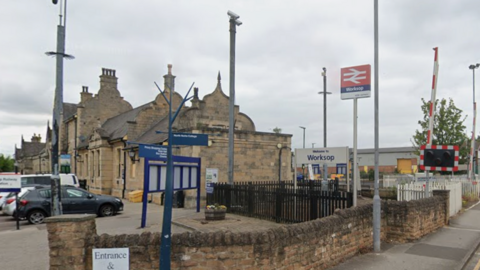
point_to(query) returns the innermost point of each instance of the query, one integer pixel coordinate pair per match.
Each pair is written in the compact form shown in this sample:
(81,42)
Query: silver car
(9,206)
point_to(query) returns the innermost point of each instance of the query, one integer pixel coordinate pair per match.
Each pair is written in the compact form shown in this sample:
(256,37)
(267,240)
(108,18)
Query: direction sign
(190,139)
(355,82)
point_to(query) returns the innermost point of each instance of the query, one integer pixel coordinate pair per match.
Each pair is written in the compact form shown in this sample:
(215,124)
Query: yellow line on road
(477,266)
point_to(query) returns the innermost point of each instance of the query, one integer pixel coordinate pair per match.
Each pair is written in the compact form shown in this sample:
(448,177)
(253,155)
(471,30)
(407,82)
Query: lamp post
(471,171)
(303,166)
(303,135)
(231,120)
(58,106)
(325,93)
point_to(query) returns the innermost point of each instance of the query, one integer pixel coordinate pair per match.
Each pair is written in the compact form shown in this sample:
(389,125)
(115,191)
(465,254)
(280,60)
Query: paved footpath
(449,248)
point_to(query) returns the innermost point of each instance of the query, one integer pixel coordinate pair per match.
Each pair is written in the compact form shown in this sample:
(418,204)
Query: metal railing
(281,202)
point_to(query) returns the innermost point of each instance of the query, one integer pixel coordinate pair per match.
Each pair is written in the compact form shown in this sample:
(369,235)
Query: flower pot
(215,214)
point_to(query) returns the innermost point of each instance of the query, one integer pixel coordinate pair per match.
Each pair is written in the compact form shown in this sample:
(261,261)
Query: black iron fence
(281,202)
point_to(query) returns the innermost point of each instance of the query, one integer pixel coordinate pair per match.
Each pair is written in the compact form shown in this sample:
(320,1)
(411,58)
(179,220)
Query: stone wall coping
(70,218)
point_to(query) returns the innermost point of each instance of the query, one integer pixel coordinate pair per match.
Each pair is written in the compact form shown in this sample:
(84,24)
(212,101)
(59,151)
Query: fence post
(250,198)
(279,202)
(228,196)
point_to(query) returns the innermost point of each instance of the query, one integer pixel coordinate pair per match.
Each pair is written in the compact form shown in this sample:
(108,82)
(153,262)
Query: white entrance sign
(111,259)
(330,156)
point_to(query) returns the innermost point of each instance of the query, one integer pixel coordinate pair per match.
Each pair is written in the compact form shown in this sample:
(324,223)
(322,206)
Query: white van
(45,179)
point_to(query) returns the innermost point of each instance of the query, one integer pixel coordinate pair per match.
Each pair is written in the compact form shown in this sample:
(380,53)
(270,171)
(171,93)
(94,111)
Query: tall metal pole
(167,209)
(471,171)
(324,74)
(376,197)
(56,206)
(231,129)
(303,135)
(355,166)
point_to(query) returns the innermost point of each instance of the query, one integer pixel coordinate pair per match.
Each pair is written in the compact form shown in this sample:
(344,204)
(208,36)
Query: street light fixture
(131,154)
(471,171)
(234,22)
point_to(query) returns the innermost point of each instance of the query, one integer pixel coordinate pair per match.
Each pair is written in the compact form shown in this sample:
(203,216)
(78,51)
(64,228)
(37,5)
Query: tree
(277,130)
(6,164)
(448,127)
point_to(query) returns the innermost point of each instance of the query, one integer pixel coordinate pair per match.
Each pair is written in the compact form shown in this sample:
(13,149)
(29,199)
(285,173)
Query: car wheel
(36,217)
(106,210)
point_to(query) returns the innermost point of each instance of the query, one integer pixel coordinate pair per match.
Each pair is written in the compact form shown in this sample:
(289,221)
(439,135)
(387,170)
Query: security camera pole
(324,74)
(58,106)
(231,129)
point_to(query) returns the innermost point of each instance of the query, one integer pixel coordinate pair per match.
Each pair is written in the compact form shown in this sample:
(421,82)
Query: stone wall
(317,244)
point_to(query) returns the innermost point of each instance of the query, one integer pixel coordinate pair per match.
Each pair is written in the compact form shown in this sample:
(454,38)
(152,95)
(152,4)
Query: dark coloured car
(35,204)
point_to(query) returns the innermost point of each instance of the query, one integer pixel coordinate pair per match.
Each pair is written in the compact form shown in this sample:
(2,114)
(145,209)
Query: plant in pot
(215,212)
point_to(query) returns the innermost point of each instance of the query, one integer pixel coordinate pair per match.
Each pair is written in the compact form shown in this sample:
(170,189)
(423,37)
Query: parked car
(35,204)
(45,179)
(3,198)
(10,206)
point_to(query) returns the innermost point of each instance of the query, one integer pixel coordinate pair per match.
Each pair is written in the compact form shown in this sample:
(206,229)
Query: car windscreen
(36,180)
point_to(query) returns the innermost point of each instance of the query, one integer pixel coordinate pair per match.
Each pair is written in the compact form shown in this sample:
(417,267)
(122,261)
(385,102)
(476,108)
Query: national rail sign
(355,82)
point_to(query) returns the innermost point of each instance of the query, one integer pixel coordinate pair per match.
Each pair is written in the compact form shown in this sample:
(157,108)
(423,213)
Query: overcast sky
(281,49)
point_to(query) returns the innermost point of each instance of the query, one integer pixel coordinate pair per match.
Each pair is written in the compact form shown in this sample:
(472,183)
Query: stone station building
(98,131)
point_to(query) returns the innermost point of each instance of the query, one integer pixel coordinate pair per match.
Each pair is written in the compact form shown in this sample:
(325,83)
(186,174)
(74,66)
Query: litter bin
(178,200)
(82,184)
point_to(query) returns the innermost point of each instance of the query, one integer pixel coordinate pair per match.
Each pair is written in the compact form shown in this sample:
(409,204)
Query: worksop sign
(355,82)
(111,259)
(330,156)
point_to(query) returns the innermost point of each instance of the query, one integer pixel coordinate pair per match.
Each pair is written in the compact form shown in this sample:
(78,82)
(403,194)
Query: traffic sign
(355,82)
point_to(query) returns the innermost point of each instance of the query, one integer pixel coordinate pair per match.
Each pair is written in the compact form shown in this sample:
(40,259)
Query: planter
(215,214)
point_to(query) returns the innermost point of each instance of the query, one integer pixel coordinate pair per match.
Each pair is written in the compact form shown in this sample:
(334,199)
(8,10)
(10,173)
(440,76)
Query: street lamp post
(234,22)
(58,106)
(325,93)
(303,135)
(471,171)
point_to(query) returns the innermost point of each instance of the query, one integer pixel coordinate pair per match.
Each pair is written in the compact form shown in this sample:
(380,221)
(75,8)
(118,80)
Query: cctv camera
(233,15)
(238,23)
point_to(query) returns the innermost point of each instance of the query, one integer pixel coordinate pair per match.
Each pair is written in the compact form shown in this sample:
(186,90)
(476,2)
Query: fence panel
(281,202)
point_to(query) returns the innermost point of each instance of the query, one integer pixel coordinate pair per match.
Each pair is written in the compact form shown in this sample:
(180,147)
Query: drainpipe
(124,175)
(75,152)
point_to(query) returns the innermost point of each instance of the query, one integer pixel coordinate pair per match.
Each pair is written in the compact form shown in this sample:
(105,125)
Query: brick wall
(317,244)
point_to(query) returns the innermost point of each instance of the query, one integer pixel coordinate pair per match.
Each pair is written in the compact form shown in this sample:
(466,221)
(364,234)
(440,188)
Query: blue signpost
(166,240)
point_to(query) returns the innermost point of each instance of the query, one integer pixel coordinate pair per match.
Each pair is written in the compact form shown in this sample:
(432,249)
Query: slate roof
(29,149)
(69,110)
(117,127)
(151,136)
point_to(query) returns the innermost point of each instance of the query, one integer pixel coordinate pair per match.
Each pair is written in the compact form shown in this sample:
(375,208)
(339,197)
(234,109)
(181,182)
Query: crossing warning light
(439,158)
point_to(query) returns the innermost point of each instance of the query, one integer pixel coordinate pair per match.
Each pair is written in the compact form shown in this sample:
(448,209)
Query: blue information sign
(189,139)
(152,151)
